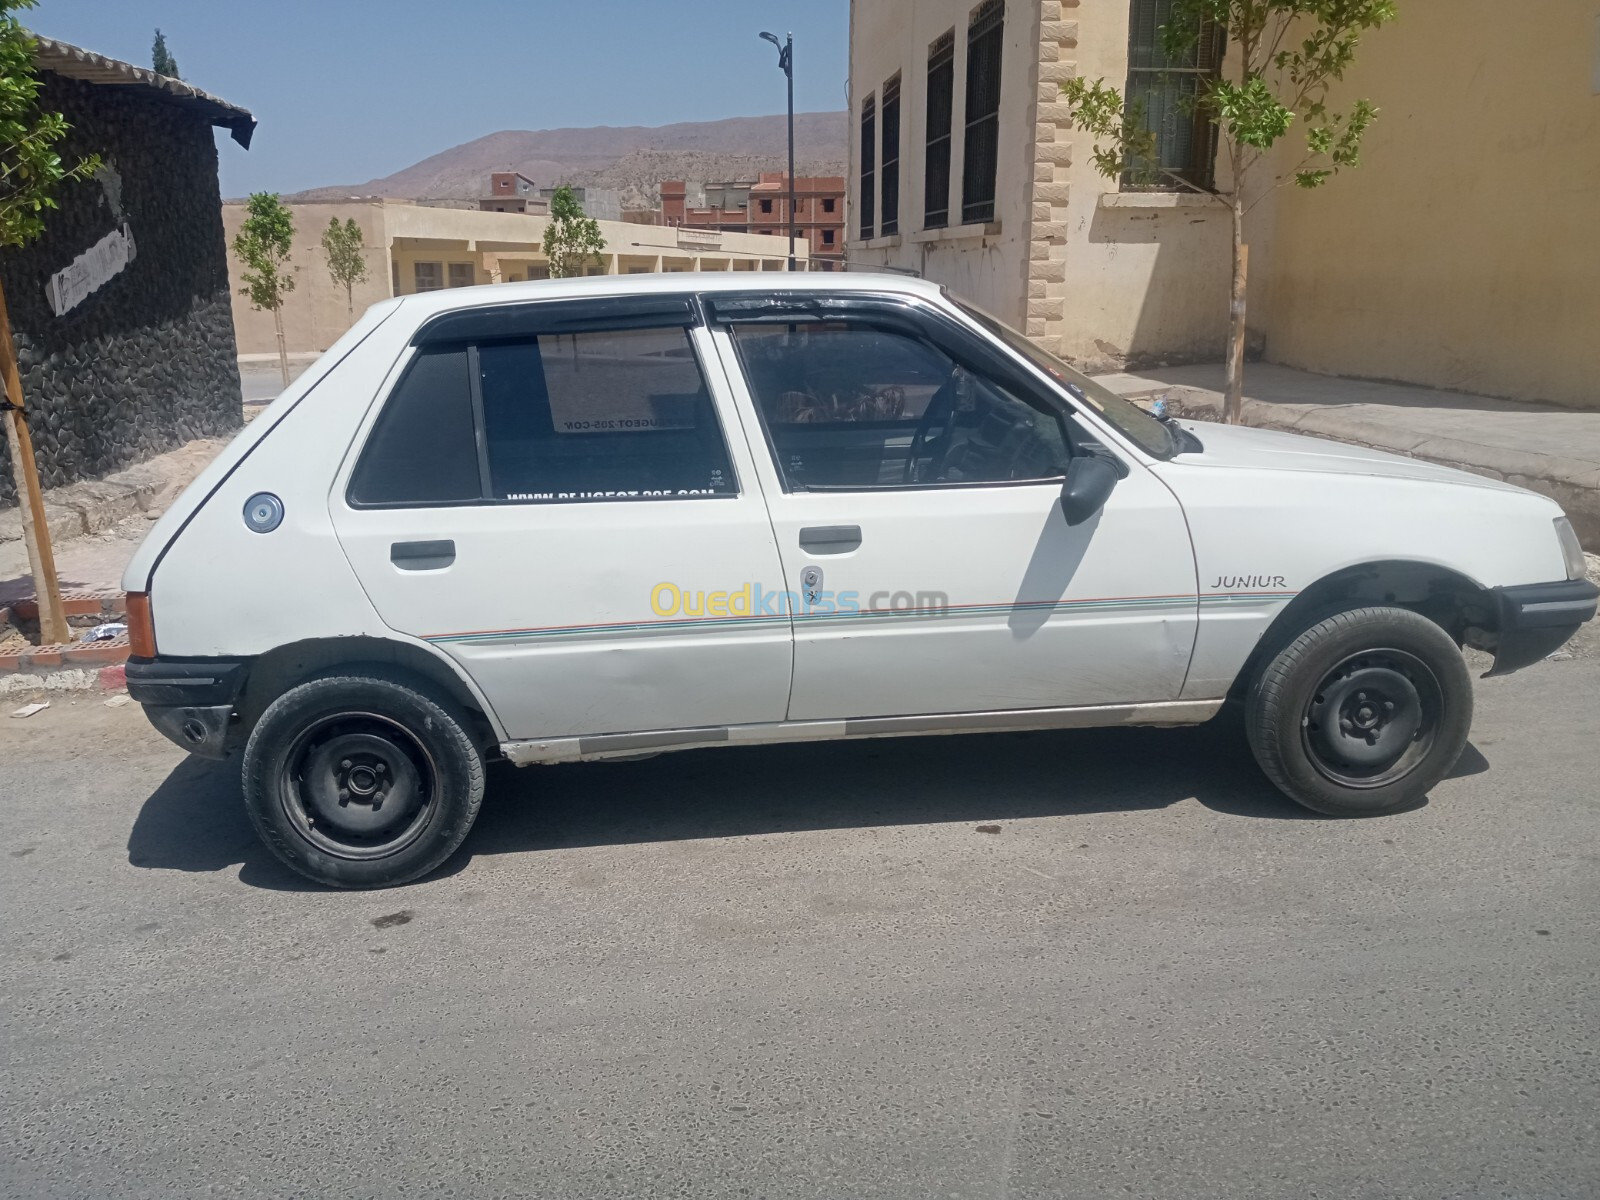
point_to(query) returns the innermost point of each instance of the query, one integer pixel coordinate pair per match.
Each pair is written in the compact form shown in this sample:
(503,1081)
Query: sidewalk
(96,525)
(1551,450)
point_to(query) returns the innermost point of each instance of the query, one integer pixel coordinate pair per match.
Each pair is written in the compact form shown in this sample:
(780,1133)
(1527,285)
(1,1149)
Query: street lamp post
(786,65)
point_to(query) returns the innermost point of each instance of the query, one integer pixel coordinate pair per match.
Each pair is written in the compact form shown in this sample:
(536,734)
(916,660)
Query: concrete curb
(302,357)
(72,666)
(1571,483)
(77,679)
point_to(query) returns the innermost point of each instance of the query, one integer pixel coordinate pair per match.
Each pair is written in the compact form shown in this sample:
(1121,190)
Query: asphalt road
(803,972)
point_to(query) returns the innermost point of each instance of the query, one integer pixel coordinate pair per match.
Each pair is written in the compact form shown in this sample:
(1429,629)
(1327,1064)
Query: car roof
(423,305)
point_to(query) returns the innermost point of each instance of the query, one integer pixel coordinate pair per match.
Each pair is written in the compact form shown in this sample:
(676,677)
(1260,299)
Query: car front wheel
(1361,714)
(361,781)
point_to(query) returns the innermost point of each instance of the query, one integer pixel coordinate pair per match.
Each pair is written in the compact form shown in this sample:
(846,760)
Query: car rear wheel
(362,781)
(1361,714)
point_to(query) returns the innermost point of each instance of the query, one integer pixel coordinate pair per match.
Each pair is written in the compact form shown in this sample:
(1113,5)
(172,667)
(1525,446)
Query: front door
(915,498)
(538,505)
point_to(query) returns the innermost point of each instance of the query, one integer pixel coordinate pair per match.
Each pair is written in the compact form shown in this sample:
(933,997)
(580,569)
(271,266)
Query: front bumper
(1535,620)
(189,701)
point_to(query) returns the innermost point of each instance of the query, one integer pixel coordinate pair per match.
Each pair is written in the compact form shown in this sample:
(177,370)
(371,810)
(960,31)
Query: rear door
(914,489)
(549,496)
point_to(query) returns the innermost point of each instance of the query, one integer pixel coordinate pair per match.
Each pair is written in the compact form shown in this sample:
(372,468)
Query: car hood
(1243,448)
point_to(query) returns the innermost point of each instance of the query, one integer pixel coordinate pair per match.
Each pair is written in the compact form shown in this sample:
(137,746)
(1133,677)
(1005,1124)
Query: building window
(982,153)
(827,237)
(936,153)
(889,172)
(766,206)
(427,277)
(394,277)
(869,145)
(462,275)
(827,204)
(1164,90)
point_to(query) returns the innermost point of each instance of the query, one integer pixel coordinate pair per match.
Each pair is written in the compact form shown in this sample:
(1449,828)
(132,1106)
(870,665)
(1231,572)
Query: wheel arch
(284,667)
(1457,603)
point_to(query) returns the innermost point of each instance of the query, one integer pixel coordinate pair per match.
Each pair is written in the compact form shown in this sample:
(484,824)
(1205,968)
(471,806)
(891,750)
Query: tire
(362,780)
(1362,714)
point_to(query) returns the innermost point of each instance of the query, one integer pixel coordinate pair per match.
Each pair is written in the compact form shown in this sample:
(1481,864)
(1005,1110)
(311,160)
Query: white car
(611,517)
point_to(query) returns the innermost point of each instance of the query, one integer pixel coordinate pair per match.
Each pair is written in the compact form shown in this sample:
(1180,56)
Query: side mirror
(1088,487)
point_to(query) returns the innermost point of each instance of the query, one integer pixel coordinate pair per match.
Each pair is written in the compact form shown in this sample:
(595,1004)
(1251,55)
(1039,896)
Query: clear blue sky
(349,90)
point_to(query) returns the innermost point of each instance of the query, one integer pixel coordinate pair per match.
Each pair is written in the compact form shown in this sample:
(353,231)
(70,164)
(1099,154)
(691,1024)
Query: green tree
(347,259)
(571,239)
(1284,55)
(161,60)
(263,246)
(30,172)
(30,168)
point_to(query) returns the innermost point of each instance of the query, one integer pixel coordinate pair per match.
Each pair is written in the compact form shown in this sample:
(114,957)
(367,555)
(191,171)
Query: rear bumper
(1536,619)
(189,700)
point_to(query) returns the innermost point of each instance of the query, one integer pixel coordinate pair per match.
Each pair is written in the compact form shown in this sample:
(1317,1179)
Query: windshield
(1149,434)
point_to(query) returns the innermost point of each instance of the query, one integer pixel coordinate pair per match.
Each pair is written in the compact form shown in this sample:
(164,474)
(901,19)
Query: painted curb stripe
(762,620)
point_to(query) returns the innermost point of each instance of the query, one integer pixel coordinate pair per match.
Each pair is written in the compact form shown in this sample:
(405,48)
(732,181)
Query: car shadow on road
(973,778)
(195,822)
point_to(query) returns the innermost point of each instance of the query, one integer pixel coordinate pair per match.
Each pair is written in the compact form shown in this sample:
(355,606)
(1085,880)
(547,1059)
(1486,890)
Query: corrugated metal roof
(74,62)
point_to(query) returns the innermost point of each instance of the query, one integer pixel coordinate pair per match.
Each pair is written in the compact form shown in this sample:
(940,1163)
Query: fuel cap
(263,512)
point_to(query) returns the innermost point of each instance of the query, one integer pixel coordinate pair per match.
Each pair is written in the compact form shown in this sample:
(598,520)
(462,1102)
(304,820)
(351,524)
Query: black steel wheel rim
(1373,718)
(359,785)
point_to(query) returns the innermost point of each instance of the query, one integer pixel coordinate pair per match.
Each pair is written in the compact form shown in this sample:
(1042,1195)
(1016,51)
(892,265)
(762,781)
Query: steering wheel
(946,395)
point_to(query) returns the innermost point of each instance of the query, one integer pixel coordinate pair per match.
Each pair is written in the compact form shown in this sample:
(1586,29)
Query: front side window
(600,416)
(1163,91)
(853,405)
(982,153)
(1151,435)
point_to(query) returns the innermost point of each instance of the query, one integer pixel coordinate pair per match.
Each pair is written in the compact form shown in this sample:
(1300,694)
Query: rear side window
(423,449)
(614,415)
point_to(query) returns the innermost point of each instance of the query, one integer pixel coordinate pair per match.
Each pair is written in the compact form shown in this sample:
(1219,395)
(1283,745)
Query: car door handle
(830,539)
(422,556)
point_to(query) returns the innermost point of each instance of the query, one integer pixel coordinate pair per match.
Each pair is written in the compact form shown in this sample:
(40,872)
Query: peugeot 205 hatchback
(609,517)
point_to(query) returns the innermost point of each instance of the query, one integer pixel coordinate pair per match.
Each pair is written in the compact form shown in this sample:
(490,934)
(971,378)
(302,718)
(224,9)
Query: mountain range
(631,158)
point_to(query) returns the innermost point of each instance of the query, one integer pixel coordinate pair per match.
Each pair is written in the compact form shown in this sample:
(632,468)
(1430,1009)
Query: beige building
(1461,254)
(1464,253)
(418,248)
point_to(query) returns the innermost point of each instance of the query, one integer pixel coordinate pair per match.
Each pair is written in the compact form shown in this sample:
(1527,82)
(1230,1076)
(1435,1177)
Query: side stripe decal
(764,620)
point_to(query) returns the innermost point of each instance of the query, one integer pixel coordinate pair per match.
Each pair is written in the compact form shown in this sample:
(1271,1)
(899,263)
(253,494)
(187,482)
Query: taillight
(141,629)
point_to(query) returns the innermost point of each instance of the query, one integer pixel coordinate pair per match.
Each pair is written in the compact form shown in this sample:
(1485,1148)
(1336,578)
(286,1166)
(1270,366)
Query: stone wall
(147,361)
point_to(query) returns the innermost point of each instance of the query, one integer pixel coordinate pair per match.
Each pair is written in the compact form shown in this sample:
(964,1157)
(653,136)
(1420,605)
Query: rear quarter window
(423,448)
